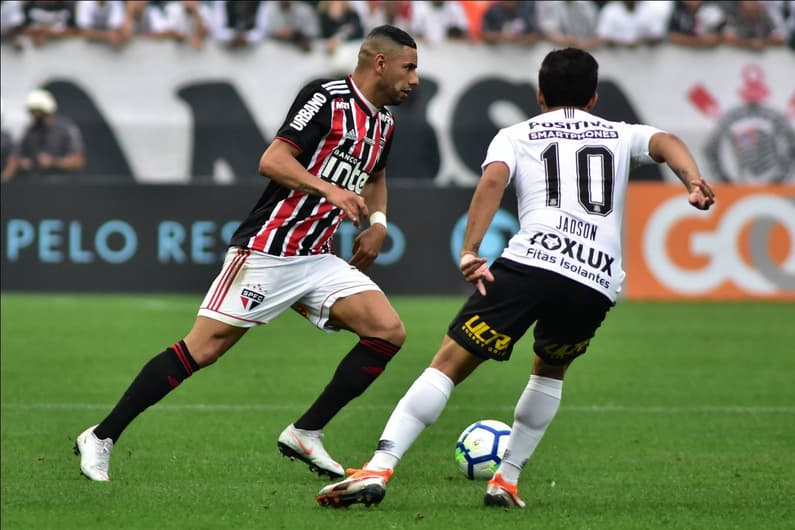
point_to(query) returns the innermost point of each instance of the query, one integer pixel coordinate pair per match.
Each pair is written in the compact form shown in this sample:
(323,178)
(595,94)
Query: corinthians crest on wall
(752,143)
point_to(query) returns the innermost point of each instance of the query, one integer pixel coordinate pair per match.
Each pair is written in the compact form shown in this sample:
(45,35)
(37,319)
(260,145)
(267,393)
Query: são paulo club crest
(250,299)
(751,144)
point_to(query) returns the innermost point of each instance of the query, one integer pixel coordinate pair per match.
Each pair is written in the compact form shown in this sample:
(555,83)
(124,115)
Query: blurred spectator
(778,11)
(435,21)
(569,22)
(696,23)
(101,21)
(509,21)
(189,20)
(749,25)
(142,18)
(292,22)
(339,23)
(475,9)
(163,19)
(52,144)
(8,150)
(12,21)
(239,24)
(630,23)
(49,19)
(374,13)
(788,14)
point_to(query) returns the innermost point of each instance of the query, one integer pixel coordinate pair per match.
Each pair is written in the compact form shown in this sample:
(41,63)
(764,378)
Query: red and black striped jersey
(341,141)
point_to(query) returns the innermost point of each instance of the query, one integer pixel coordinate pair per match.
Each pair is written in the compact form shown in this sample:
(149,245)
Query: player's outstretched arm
(668,148)
(279,163)
(485,202)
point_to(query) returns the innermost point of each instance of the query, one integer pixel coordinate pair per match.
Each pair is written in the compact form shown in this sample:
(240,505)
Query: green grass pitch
(681,415)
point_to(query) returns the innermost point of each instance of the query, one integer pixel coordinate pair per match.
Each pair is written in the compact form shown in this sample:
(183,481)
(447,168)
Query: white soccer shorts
(254,288)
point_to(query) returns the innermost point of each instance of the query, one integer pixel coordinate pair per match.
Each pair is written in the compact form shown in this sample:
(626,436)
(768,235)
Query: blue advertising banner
(171,238)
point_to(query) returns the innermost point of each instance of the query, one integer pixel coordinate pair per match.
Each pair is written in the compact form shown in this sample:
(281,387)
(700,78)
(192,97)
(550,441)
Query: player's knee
(545,368)
(205,356)
(208,351)
(395,332)
(388,329)
(399,334)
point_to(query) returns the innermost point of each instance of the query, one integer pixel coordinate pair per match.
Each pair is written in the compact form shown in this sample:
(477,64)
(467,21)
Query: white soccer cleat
(500,493)
(364,486)
(307,446)
(94,455)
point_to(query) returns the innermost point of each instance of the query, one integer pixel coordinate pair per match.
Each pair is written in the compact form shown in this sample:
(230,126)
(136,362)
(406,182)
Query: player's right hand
(701,194)
(475,270)
(353,205)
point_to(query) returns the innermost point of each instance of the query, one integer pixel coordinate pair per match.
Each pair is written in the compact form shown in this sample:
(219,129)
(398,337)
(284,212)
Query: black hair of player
(394,34)
(568,78)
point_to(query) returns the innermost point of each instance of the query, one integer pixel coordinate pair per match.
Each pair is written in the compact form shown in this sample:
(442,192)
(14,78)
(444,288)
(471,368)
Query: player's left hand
(367,245)
(701,194)
(475,269)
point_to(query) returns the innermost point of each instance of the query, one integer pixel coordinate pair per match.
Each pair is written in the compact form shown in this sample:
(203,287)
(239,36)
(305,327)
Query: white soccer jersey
(570,170)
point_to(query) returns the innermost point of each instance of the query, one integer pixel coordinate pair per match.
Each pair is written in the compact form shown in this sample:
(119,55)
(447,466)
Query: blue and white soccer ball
(480,448)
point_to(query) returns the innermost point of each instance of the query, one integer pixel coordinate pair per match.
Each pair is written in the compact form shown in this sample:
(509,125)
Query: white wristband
(378,218)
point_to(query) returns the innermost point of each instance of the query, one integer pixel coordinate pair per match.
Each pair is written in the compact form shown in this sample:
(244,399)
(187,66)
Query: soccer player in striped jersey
(327,163)
(561,271)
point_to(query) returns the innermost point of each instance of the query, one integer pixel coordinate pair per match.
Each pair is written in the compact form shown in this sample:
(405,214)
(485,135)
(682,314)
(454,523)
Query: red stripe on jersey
(318,246)
(332,140)
(388,133)
(361,134)
(298,233)
(288,207)
(376,151)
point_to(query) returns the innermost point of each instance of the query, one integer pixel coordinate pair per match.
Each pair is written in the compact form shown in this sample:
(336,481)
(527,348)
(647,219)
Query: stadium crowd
(584,23)
(749,24)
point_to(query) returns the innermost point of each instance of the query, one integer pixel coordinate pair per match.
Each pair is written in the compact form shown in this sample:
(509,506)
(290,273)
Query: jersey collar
(358,93)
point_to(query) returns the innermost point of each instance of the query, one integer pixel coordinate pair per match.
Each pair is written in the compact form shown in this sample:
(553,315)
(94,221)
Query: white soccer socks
(420,407)
(534,411)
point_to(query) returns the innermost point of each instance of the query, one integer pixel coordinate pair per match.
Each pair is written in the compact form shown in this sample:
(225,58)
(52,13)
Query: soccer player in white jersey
(561,271)
(328,162)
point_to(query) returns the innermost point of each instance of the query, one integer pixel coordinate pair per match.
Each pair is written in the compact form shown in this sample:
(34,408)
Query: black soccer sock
(363,364)
(158,377)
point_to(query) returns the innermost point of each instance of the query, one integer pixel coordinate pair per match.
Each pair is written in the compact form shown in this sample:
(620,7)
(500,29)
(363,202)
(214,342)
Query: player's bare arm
(668,148)
(279,163)
(368,243)
(485,202)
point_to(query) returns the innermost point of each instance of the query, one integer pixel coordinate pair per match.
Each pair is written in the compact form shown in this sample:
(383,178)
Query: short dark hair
(568,77)
(394,34)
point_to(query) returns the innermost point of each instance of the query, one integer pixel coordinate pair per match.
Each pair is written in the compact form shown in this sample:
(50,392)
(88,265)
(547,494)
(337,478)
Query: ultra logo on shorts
(565,351)
(485,336)
(250,299)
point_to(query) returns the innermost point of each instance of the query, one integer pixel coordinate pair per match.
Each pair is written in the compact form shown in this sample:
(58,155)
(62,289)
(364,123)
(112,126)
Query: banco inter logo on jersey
(345,171)
(588,262)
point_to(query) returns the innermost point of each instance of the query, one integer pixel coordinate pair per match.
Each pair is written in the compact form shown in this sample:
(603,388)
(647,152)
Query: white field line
(264,407)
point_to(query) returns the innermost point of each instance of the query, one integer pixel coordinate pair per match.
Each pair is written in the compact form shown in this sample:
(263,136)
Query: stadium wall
(159,112)
(146,238)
